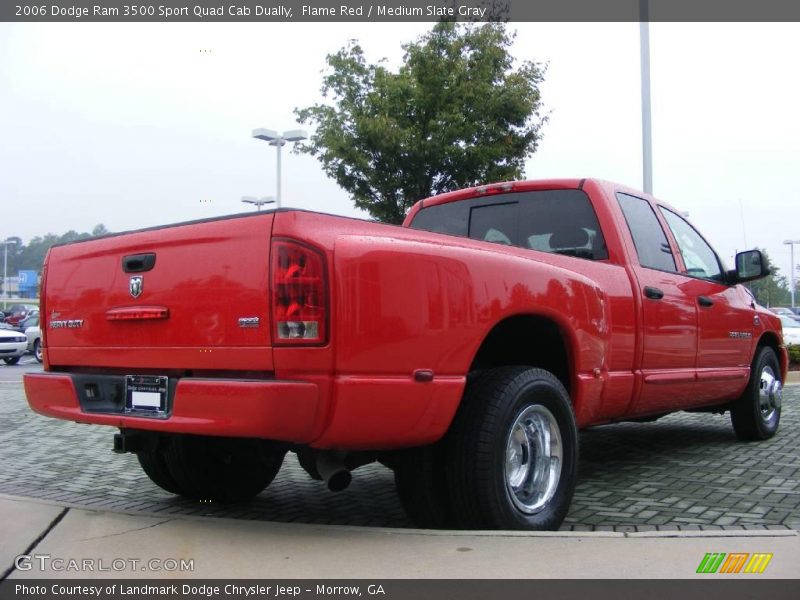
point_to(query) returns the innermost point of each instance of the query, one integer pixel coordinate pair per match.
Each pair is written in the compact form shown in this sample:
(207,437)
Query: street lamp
(791,244)
(647,136)
(259,202)
(5,265)
(279,140)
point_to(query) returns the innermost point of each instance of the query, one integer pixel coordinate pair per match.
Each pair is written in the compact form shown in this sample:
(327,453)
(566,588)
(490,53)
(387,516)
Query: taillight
(43,318)
(299,297)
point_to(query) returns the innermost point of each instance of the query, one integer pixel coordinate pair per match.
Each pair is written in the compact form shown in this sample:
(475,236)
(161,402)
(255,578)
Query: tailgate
(172,297)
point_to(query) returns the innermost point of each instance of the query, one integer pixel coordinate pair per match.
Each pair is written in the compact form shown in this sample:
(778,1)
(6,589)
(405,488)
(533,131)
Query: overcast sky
(132,125)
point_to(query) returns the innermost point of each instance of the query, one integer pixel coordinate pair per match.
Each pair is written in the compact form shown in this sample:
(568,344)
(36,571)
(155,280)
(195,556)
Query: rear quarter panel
(404,300)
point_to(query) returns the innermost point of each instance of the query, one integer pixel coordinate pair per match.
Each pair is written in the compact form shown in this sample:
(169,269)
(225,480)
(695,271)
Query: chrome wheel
(770,393)
(533,459)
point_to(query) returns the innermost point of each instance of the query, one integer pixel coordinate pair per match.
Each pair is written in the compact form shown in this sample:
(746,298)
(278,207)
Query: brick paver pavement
(685,471)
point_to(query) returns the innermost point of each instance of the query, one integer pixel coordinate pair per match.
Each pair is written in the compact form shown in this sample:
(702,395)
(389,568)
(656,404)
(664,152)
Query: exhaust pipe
(332,471)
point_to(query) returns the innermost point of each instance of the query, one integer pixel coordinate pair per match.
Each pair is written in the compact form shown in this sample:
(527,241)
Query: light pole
(279,140)
(647,139)
(791,244)
(259,202)
(5,264)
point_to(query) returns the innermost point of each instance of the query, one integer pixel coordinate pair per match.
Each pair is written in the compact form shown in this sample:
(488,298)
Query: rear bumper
(277,410)
(345,412)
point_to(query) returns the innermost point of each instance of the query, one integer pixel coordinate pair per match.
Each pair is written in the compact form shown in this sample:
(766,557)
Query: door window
(699,258)
(649,238)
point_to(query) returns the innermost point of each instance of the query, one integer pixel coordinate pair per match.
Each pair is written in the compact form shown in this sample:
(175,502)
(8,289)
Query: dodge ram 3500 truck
(464,350)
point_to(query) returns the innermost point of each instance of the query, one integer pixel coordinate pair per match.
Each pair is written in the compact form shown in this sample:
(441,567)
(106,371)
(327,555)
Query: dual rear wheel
(211,468)
(509,460)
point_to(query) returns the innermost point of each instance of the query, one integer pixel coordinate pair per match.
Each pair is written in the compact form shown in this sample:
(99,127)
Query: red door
(725,316)
(669,340)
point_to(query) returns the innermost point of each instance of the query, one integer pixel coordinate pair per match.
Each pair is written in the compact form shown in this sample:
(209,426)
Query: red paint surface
(399,301)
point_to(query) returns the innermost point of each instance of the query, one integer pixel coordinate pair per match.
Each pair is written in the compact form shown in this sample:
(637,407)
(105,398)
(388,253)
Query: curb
(391,531)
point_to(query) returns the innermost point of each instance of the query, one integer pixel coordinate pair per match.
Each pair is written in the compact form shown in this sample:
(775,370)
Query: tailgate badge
(136,285)
(249,322)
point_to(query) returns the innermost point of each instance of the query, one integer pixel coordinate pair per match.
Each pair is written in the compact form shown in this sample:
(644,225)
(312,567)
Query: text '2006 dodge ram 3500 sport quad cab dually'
(464,350)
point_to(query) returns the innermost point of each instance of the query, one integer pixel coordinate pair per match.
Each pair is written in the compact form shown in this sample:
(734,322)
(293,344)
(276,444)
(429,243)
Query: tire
(221,469)
(421,485)
(757,413)
(154,465)
(37,350)
(11,360)
(492,446)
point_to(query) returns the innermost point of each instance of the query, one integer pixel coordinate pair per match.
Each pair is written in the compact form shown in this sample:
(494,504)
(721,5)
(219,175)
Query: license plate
(146,394)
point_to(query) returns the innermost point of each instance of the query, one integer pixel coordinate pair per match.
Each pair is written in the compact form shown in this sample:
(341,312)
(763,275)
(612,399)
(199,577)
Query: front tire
(11,360)
(221,469)
(512,451)
(757,413)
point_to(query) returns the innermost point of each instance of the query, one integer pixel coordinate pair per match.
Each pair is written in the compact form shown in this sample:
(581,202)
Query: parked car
(13,345)
(791,330)
(17,312)
(782,310)
(31,321)
(34,336)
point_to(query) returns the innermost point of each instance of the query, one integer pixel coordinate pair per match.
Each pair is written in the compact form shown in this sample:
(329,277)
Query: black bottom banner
(396,589)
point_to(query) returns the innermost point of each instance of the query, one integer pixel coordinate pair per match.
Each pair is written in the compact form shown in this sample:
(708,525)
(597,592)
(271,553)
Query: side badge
(136,286)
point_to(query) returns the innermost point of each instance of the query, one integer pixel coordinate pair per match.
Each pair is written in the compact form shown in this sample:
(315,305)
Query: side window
(648,236)
(698,256)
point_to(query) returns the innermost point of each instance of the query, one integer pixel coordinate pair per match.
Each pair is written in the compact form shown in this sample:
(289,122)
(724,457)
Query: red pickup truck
(464,350)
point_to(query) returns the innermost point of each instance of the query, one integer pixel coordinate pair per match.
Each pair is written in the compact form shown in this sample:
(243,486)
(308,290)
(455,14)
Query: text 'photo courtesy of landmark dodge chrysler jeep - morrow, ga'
(464,350)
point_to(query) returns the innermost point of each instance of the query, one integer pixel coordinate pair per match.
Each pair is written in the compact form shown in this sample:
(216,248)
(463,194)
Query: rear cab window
(555,221)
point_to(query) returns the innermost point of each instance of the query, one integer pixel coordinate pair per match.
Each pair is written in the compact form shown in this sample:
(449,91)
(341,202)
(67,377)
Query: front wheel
(11,360)
(757,413)
(512,451)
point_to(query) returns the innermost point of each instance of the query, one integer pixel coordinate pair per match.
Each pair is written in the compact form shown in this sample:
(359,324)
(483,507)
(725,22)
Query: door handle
(705,301)
(653,293)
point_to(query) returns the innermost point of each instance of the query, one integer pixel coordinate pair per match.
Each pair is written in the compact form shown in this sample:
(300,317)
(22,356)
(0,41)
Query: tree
(456,113)
(772,290)
(30,256)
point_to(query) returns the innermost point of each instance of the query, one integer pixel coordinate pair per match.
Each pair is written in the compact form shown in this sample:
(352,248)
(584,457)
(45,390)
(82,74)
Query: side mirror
(749,266)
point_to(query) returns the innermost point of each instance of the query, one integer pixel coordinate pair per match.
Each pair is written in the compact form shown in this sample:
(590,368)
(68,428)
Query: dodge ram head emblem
(137,284)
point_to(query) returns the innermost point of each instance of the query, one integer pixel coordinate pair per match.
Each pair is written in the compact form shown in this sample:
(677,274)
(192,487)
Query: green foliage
(794,354)
(457,113)
(772,290)
(30,256)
